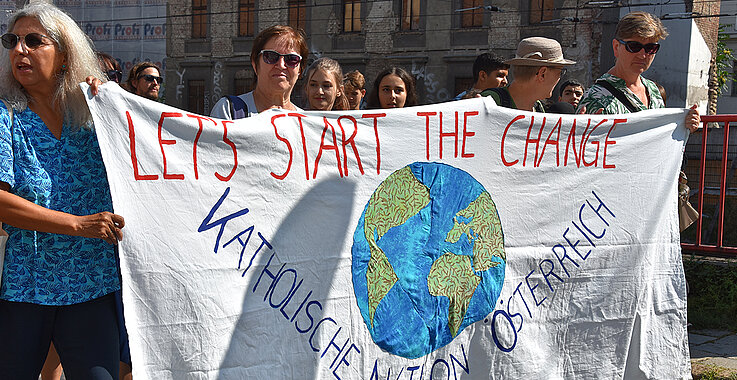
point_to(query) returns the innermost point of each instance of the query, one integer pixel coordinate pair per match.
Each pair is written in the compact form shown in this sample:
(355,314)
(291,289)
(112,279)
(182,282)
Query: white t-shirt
(222,109)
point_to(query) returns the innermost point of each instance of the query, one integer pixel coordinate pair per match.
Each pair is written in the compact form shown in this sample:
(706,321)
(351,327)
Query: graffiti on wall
(433,91)
(217,76)
(180,86)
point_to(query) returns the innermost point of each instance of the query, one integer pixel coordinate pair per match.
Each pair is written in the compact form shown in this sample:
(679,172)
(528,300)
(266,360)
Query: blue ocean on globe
(427,258)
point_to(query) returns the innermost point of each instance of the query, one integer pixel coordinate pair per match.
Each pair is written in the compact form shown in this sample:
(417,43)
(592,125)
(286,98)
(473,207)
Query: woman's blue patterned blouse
(68,175)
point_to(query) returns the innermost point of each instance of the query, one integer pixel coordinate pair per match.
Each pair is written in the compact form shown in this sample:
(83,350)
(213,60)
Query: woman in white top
(278,59)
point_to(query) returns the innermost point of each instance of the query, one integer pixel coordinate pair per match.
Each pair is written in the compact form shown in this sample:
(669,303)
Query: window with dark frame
(351,16)
(199,18)
(410,15)
(473,16)
(462,84)
(196,96)
(297,14)
(246,17)
(541,10)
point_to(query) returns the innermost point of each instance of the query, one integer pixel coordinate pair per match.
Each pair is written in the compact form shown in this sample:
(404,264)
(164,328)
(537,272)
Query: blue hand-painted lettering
(503,335)
(206,225)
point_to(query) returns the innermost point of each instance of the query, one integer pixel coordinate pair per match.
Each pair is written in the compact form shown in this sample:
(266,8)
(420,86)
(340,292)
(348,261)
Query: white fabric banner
(452,241)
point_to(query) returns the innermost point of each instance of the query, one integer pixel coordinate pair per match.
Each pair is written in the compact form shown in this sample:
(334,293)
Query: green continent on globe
(452,276)
(484,231)
(397,199)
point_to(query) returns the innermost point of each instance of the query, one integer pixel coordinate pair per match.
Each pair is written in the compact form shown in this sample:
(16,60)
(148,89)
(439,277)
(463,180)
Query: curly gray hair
(81,62)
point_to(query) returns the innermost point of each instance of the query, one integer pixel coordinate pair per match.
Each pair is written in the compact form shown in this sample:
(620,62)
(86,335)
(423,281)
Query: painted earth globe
(427,258)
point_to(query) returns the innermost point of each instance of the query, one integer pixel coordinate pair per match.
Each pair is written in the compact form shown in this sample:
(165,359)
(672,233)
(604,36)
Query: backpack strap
(238,108)
(504,96)
(618,94)
(506,99)
(539,107)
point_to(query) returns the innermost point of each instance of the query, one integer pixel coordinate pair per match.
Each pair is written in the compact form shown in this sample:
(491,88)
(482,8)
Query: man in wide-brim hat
(536,68)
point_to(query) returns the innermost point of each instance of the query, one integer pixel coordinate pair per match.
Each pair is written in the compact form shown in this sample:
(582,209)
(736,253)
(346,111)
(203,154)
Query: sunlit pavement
(713,347)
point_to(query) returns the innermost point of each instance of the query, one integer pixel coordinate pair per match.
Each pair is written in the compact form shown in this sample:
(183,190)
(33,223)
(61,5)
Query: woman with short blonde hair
(640,24)
(623,89)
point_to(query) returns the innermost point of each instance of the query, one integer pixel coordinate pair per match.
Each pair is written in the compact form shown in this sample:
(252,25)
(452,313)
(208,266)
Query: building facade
(210,42)
(204,46)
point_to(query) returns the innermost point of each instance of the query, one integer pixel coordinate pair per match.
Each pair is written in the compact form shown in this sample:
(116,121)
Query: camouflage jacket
(598,97)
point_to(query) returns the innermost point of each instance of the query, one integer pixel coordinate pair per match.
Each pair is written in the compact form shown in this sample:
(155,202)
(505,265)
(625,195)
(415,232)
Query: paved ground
(713,348)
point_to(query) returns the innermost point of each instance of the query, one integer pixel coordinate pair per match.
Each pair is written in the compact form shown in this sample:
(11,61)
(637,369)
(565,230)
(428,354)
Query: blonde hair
(355,80)
(81,62)
(640,24)
(523,73)
(331,67)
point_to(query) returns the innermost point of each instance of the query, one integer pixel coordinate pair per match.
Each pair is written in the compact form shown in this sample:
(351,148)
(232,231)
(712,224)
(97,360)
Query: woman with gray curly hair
(60,268)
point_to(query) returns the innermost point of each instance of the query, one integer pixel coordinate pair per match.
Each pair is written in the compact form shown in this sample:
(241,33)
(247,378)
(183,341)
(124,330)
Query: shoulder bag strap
(238,108)
(618,94)
(504,96)
(539,107)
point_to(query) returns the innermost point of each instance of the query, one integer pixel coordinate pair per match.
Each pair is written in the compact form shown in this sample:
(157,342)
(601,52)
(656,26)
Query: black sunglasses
(31,40)
(114,75)
(151,78)
(271,57)
(634,46)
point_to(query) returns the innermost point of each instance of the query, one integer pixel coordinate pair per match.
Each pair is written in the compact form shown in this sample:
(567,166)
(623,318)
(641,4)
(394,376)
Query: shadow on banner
(288,286)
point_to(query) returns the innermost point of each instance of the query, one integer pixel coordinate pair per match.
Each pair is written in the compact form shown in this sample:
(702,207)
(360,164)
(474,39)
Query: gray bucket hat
(539,51)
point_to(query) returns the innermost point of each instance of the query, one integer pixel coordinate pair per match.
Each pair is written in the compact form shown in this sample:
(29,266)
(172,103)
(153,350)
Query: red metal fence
(716,195)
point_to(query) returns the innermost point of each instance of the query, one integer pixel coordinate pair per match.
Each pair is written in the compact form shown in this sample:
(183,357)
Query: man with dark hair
(144,79)
(571,91)
(537,67)
(489,71)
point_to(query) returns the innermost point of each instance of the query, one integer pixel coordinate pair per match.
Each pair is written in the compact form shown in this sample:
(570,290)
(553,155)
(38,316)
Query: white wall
(682,65)
(697,91)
